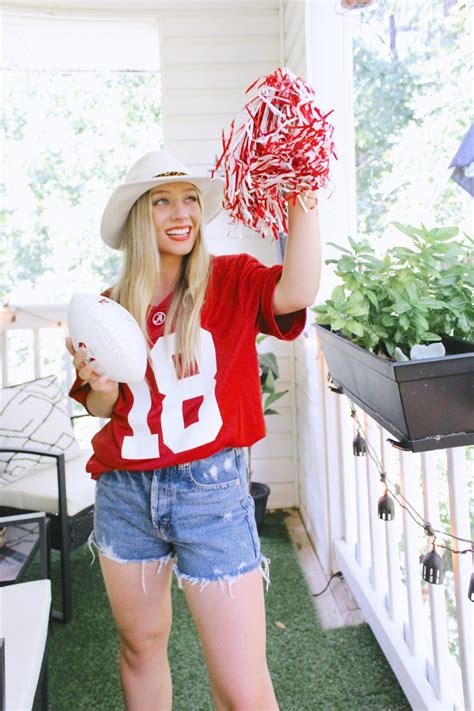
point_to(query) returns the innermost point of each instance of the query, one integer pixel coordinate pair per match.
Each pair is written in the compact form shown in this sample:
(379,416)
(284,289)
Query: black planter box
(426,404)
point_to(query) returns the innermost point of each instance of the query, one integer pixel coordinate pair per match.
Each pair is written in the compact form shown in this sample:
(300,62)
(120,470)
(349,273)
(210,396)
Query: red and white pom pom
(283,144)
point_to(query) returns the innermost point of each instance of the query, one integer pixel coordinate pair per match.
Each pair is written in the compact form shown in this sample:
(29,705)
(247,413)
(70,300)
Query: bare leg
(144,623)
(233,635)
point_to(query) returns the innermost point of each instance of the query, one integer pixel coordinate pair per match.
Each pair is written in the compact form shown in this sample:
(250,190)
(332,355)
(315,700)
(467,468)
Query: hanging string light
(359,445)
(385,506)
(433,567)
(432,562)
(8,314)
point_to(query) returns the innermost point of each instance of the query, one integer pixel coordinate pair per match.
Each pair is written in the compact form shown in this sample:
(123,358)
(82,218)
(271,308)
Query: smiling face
(176,215)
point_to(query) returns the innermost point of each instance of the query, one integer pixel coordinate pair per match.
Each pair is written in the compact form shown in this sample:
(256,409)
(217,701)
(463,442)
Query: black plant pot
(260,494)
(426,404)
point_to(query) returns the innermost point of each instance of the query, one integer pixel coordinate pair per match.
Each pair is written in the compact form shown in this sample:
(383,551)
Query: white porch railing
(40,331)
(425,630)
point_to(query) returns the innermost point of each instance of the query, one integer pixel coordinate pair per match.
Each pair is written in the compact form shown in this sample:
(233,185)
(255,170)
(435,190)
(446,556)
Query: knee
(140,646)
(248,697)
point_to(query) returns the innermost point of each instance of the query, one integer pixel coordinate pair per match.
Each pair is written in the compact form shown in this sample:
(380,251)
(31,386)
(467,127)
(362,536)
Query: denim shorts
(199,514)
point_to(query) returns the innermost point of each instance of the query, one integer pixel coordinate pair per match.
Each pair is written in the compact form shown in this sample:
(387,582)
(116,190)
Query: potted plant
(269,374)
(388,308)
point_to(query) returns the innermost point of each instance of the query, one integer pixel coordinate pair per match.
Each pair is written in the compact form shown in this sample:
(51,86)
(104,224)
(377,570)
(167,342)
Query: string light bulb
(359,445)
(386,507)
(470,593)
(433,567)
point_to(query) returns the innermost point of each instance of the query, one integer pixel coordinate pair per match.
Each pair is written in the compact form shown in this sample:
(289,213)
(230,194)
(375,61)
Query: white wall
(208,59)
(295,36)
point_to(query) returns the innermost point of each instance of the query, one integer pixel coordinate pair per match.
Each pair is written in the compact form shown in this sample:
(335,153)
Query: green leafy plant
(413,294)
(269,374)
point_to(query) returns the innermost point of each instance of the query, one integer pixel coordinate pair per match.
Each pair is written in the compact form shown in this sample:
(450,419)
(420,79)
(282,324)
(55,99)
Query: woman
(172,480)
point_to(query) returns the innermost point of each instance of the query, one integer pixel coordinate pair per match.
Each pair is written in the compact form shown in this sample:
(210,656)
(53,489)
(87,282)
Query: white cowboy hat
(153,169)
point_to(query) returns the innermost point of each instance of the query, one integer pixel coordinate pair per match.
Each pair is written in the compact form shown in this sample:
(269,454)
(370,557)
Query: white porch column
(329,71)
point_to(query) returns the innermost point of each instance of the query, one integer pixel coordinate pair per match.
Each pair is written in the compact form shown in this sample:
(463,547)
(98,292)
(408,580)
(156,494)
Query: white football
(111,335)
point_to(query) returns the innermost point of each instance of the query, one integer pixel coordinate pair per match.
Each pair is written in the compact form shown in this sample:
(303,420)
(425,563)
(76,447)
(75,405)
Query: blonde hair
(140,277)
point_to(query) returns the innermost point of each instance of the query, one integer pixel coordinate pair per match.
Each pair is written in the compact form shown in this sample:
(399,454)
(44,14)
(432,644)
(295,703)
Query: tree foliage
(412,109)
(69,137)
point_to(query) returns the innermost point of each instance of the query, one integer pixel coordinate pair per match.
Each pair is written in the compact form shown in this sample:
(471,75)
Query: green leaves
(413,294)
(355,326)
(72,123)
(346,264)
(408,230)
(269,374)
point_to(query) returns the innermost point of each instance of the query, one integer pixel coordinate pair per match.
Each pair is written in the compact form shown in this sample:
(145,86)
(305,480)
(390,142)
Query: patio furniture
(24,624)
(66,493)
(24,628)
(24,536)
(43,469)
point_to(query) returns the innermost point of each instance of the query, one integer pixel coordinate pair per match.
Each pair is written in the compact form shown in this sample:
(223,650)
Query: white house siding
(208,59)
(294,31)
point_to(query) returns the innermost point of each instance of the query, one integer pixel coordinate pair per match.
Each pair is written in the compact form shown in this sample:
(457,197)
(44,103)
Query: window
(82,101)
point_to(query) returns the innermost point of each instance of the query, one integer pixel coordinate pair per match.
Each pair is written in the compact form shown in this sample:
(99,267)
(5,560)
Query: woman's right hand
(98,383)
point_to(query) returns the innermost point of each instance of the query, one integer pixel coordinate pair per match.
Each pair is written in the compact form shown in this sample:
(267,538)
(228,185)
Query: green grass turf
(311,669)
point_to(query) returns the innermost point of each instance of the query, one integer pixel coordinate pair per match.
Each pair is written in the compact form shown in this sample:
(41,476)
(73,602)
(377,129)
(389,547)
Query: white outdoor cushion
(24,625)
(38,490)
(33,415)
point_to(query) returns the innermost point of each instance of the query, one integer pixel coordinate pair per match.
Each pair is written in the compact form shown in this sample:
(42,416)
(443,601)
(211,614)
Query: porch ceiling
(142,5)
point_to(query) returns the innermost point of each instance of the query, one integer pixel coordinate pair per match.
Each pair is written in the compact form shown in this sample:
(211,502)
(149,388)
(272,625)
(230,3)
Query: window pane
(75,117)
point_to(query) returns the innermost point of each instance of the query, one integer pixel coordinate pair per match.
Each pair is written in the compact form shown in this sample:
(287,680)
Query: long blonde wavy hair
(140,278)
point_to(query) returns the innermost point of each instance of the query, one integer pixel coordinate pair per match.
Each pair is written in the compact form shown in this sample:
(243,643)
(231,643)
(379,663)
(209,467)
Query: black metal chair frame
(45,572)
(64,532)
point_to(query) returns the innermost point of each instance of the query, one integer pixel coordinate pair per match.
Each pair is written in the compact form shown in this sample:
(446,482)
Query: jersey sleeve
(256,285)
(79,391)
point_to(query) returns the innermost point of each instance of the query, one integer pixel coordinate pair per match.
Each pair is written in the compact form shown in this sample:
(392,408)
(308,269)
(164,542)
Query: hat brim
(125,196)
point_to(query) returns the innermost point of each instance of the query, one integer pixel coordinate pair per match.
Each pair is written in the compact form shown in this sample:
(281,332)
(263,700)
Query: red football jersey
(166,420)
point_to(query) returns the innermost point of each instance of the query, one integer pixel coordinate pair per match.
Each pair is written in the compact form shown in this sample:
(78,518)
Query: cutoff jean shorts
(199,514)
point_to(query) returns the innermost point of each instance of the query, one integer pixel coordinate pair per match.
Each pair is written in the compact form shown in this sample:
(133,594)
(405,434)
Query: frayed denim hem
(263,565)
(108,552)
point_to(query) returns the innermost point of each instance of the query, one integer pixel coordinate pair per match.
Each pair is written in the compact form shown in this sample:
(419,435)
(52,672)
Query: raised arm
(299,282)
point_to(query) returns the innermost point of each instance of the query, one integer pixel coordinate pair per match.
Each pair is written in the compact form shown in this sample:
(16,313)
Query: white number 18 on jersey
(142,444)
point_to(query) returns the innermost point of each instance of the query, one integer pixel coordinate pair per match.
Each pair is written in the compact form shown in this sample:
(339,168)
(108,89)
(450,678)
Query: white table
(24,618)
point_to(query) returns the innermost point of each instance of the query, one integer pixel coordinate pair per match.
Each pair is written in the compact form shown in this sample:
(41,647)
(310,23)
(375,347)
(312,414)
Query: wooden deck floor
(336,607)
